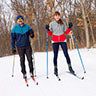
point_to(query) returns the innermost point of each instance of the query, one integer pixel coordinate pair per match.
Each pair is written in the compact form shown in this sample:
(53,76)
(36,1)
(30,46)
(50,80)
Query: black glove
(32,35)
(47,27)
(13,50)
(70,25)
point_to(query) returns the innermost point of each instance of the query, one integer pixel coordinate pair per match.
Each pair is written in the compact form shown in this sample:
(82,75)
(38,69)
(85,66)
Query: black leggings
(65,51)
(27,50)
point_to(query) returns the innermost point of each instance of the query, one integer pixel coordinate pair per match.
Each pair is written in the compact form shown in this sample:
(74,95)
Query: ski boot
(24,76)
(71,70)
(56,71)
(32,75)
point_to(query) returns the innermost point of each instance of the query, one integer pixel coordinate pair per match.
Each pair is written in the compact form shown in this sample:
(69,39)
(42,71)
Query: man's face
(20,21)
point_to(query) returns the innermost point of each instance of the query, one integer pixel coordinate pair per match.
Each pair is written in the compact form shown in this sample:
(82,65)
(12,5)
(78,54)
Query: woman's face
(57,17)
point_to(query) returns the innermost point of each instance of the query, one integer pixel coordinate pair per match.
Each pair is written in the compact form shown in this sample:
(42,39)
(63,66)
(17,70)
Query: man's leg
(21,52)
(29,58)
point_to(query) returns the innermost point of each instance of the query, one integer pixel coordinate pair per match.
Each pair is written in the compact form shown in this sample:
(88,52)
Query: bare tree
(86,25)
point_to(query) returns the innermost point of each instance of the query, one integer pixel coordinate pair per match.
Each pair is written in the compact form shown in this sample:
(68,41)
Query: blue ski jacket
(20,35)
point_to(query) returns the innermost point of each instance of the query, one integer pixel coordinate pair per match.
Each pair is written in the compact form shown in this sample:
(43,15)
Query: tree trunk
(93,39)
(86,25)
(95,2)
(37,23)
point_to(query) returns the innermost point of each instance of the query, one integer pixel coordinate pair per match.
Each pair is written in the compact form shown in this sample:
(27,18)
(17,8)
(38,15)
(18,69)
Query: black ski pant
(65,51)
(22,51)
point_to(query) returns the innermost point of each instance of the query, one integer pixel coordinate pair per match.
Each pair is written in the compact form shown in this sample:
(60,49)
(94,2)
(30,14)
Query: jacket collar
(20,26)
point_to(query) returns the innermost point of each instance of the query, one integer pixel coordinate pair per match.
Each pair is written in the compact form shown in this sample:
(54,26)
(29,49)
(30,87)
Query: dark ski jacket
(20,35)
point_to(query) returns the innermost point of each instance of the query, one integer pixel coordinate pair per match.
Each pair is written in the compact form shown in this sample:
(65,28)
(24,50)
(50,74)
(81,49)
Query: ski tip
(82,78)
(37,83)
(47,77)
(27,85)
(85,72)
(59,79)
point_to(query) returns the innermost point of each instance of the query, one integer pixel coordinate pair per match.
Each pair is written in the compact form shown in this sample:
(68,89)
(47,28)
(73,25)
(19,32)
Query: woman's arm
(67,31)
(49,33)
(49,29)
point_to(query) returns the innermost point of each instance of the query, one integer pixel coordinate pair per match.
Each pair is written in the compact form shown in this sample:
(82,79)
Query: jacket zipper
(59,38)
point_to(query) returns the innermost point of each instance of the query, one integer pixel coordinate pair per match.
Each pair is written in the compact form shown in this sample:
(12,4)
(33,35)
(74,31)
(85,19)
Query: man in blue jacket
(20,37)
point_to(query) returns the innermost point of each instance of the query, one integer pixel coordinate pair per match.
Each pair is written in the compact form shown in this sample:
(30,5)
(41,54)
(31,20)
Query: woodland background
(38,13)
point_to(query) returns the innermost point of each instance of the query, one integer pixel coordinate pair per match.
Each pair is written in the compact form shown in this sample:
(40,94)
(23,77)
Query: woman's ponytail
(60,21)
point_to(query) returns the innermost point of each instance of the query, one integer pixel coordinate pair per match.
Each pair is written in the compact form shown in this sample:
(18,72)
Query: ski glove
(32,35)
(13,50)
(31,32)
(47,27)
(70,35)
(70,25)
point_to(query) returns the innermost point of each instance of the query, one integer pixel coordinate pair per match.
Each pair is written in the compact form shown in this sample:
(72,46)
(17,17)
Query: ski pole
(79,53)
(13,65)
(47,52)
(33,57)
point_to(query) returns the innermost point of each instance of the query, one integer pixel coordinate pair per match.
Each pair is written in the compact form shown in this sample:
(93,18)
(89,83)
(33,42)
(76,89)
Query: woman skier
(57,29)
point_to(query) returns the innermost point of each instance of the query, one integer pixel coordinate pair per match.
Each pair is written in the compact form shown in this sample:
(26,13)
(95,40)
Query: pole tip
(12,75)
(82,78)
(47,77)
(37,83)
(85,72)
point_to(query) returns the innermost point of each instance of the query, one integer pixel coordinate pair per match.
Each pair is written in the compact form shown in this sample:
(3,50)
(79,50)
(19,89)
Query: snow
(68,86)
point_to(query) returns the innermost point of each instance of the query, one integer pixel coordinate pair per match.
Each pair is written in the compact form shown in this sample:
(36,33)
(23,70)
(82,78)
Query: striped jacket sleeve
(50,31)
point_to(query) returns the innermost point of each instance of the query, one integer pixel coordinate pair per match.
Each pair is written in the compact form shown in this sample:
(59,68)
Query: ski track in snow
(68,86)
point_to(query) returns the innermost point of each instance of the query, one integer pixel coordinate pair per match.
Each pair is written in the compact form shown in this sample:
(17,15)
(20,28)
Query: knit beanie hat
(19,16)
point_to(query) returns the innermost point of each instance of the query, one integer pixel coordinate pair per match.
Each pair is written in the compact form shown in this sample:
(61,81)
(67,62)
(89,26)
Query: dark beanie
(19,16)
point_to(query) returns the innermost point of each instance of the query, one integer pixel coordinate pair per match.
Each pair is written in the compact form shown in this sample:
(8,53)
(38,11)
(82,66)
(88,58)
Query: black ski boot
(71,70)
(32,75)
(24,76)
(56,71)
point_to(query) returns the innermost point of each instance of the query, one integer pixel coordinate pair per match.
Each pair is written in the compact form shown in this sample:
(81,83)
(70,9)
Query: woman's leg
(65,51)
(55,50)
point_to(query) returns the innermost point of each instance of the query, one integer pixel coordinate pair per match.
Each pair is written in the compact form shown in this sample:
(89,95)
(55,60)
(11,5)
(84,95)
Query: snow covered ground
(68,86)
